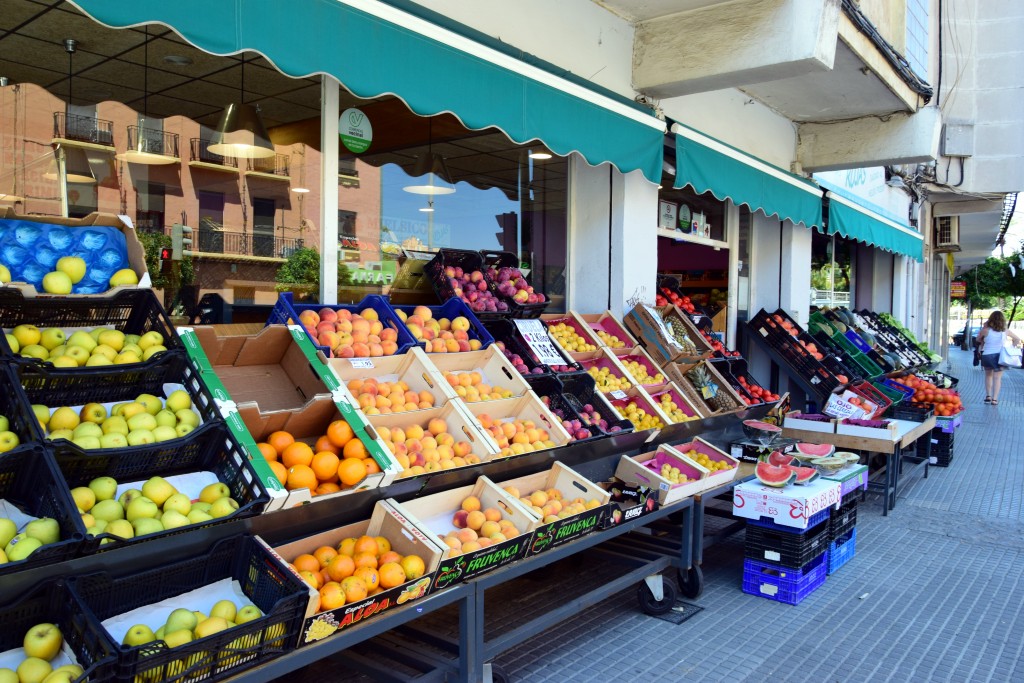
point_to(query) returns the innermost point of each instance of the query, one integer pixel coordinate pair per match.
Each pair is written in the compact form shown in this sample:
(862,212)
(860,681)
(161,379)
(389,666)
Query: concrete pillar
(329,113)
(634,241)
(588,265)
(796,270)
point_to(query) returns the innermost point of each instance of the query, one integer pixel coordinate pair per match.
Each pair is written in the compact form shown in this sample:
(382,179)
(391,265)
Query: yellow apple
(151,338)
(108,352)
(42,413)
(5,274)
(141,421)
(115,424)
(152,351)
(73,267)
(79,354)
(179,400)
(152,403)
(57,282)
(83,339)
(125,276)
(129,410)
(97,360)
(126,357)
(84,497)
(64,418)
(13,342)
(35,351)
(93,412)
(64,362)
(188,417)
(27,334)
(9,441)
(51,338)
(112,338)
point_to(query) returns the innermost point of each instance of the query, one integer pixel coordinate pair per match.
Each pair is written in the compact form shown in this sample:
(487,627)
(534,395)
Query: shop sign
(667,215)
(355,130)
(958,289)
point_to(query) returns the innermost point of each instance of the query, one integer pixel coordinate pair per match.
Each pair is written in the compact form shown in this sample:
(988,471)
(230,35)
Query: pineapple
(681,337)
(700,377)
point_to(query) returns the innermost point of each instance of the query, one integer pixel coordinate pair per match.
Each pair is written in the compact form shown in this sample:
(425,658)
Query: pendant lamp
(139,151)
(241,133)
(76,164)
(432,171)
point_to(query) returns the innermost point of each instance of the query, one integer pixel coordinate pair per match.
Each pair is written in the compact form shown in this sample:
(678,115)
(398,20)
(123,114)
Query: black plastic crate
(51,602)
(942,447)
(210,448)
(15,407)
(581,390)
(908,411)
(506,332)
(550,387)
(276,591)
(783,548)
(132,311)
(837,367)
(29,480)
(468,261)
(843,519)
(506,259)
(56,387)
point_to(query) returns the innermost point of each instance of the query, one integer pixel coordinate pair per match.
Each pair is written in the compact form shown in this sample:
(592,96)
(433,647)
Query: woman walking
(990,341)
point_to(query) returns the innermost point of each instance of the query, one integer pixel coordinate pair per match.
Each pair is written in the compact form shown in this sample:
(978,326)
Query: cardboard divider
(642,400)
(433,516)
(713,479)
(606,322)
(526,407)
(414,368)
(494,368)
(656,393)
(551,533)
(645,470)
(405,539)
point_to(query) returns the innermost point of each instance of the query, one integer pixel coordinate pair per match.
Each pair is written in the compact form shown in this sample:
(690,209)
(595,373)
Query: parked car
(958,337)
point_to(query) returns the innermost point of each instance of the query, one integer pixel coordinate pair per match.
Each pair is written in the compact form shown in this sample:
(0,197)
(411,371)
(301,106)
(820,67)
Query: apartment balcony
(348,176)
(271,168)
(200,156)
(212,243)
(87,132)
(151,146)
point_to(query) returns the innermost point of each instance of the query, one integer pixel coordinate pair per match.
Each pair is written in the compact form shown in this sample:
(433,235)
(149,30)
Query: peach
(309,318)
(345,352)
(473,545)
(361,350)
(369,314)
(463,346)
(414,319)
(344,314)
(413,433)
(376,350)
(474,345)
(390,348)
(492,515)
(484,542)
(475,519)
(452,542)
(437,426)
(423,312)
(459,519)
(445,439)
(554,494)
(451,346)
(344,326)
(548,519)
(328,339)
(489,528)
(538,498)
(327,315)
(512,491)
(459,462)
(461,335)
(324,327)
(361,325)
(471,504)
(359,337)
(497,537)
(462,448)
(401,314)
(466,535)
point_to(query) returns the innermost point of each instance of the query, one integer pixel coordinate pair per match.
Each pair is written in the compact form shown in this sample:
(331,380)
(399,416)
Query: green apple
(8,530)
(115,424)
(9,440)
(121,528)
(107,510)
(107,352)
(125,358)
(225,609)
(12,341)
(160,632)
(42,413)
(247,614)
(171,519)
(57,351)
(45,529)
(35,351)
(158,490)
(63,418)
(147,525)
(98,527)
(87,443)
(189,417)
(84,497)
(141,421)
(5,424)
(151,338)
(140,634)
(21,546)
(128,496)
(132,339)
(95,333)
(113,440)
(61,434)
(73,267)
(128,410)
(182,429)
(178,502)
(51,338)
(181,618)
(210,626)
(153,404)
(141,507)
(112,338)
(165,418)
(141,437)
(43,641)
(105,488)
(78,353)
(83,339)
(179,400)
(123,278)
(201,505)
(214,492)
(197,516)
(8,675)
(34,669)
(132,349)
(152,351)
(87,429)
(223,507)
(57,282)
(63,362)
(178,638)
(98,359)
(162,433)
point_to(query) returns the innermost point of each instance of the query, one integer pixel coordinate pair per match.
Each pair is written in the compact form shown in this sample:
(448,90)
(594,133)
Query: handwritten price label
(536,336)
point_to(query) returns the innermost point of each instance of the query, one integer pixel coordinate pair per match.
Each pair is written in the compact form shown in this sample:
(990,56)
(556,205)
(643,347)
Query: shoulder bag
(1010,356)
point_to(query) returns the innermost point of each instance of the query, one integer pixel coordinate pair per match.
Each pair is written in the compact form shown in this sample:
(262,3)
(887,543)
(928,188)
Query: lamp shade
(241,134)
(433,174)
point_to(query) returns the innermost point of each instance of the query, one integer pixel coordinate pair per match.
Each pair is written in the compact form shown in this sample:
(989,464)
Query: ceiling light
(300,190)
(539,154)
(177,60)
(431,168)
(241,133)
(139,152)
(427,209)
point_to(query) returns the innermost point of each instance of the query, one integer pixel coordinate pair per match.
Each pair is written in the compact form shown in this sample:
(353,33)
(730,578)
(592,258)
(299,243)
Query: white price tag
(362,363)
(617,394)
(536,336)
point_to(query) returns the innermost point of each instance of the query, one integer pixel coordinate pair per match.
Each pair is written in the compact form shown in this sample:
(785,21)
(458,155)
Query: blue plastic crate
(842,550)
(816,519)
(781,584)
(451,309)
(856,340)
(286,312)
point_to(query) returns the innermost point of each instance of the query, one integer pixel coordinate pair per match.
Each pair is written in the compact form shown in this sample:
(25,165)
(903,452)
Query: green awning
(375,49)
(855,219)
(709,165)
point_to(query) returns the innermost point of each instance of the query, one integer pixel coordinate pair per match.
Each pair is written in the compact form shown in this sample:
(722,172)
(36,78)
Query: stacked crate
(783,563)
(842,533)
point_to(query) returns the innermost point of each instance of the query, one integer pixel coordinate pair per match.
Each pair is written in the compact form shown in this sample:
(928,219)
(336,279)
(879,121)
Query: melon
(780,459)
(753,428)
(773,475)
(830,465)
(818,450)
(804,475)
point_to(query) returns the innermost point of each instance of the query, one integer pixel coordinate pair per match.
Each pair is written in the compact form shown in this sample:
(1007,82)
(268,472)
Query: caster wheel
(691,582)
(498,675)
(654,607)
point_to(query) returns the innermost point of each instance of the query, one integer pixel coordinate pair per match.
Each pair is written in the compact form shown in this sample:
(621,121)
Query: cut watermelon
(804,475)
(780,459)
(773,475)
(818,450)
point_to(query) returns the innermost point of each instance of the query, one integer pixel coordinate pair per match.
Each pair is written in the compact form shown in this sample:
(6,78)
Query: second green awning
(854,220)
(709,165)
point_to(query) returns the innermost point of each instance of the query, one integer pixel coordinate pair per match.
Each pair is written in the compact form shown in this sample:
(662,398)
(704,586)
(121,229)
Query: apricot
(473,545)
(437,426)
(492,514)
(475,520)
(466,535)
(488,529)
(471,504)
(538,498)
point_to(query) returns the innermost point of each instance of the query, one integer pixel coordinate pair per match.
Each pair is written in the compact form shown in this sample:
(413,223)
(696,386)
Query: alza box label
(328,623)
(564,530)
(464,567)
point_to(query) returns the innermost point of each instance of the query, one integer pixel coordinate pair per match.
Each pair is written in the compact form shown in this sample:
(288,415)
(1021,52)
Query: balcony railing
(347,167)
(275,165)
(245,244)
(152,141)
(200,151)
(83,128)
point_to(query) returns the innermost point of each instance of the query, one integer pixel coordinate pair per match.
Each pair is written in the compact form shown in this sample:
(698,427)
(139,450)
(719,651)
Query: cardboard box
(792,506)
(461,425)
(714,479)
(647,326)
(645,470)
(134,249)
(751,450)
(669,389)
(628,502)
(850,478)
(793,421)
(581,328)
(494,368)
(526,407)
(405,539)
(606,322)
(677,373)
(839,405)
(413,367)
(887,432)
(572,486)
(703,346)
(433,516)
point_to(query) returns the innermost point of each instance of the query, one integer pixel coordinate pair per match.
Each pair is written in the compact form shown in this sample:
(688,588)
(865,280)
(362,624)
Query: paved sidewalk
(934,593)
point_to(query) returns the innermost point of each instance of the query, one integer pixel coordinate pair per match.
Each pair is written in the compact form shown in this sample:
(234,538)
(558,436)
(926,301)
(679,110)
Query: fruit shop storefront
(350,150)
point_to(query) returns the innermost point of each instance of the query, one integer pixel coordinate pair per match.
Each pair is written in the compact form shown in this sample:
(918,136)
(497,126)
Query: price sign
(536,336)
(617,394)
(362,363)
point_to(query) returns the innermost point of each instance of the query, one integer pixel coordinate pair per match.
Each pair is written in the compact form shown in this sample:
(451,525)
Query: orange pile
(383,398)
(945,402)
(477,528)
(516,437)
(357,568)
(470,386)
(426,448)
(338,460)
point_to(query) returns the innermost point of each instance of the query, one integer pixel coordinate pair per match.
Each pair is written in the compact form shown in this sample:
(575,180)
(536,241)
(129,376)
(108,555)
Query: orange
(371,466)
(351,471)
(324,554)
(325,466)
(413,566)
(280,471)
(391,575)
(312,578)
(324,444)
(297,453)
(388,557)
(268,451)
(365,560)
(280,440)
(325,488)
(367,544)
(369,576)
(339,433)
(354,589)
(340,567)
(331,596)
(347,547)
(306,562)
(301,477)
(354,449)
(383,545)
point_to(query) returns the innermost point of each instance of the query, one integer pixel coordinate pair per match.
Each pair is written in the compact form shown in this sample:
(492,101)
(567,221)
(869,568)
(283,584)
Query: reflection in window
(831,270)
(150,202)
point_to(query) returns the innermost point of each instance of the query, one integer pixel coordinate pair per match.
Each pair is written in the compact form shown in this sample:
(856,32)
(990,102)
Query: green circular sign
(355,131)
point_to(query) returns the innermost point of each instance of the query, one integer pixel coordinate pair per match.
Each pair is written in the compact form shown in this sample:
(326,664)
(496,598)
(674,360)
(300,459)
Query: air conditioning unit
(947,234)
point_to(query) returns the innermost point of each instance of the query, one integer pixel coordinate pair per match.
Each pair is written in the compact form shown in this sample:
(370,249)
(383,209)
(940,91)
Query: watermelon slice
(804,475)
(780,459)
(759,428)
(773,475)
(818,450)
